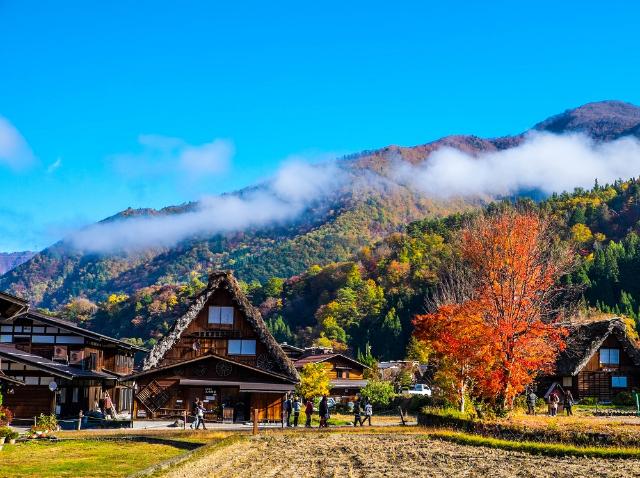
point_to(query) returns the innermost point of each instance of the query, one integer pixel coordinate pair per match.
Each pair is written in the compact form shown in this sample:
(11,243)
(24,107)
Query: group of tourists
(359,409)
(553,401)
(293,405)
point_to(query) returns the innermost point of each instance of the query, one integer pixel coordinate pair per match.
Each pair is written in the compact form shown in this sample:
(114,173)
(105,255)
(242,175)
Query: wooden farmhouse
(600,360)
(345,373)
(221,352)
(49,365)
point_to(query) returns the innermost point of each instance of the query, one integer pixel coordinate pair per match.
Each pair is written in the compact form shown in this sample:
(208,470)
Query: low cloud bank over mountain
(283,198)
(544,162)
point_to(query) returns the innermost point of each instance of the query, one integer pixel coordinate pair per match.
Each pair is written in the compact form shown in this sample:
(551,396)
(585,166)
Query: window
(31,380)
(42,339)
(242,347)
(6,338)
(567,381)
(343,373)
(609,356)
(618,382)
(221,315)
(6,328)
(69,339)
(74,395)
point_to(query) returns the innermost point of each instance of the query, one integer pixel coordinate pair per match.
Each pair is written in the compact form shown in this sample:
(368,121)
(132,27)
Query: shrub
(589,401)
(46,422)
(417,402)
(378,392)
(5,431)
(624,399)
(5,416)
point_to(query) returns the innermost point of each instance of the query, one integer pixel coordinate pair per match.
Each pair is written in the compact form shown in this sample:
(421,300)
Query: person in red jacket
(308,411)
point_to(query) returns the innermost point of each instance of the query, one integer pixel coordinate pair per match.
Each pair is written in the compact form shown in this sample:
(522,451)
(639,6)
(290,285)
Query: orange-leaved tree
(456,334)
(509,292)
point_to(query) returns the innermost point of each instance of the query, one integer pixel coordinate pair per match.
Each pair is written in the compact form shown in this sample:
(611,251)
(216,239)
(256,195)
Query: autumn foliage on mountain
(494,328)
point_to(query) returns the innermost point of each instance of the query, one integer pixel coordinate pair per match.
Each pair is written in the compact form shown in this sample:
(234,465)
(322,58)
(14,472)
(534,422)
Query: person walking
(286,411)
(194,411)
(568,402)
(323,409)
(554,400)
(297,406)
(201,411)
(531,403)
(308,411)
(357,410)
(368,412)
(108,406)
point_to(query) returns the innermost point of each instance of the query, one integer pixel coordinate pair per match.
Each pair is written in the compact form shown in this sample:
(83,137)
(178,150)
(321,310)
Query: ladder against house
(153,396)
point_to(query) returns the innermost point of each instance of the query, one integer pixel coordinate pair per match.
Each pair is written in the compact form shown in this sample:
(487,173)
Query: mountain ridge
(329,231)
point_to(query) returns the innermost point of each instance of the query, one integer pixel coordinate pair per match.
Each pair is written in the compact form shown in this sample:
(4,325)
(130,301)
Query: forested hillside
(355,266)
(372,298)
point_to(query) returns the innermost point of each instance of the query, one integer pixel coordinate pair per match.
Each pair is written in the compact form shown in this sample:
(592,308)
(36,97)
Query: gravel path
(385,455)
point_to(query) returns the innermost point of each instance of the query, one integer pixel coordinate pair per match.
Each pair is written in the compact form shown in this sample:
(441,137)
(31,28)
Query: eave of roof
(6,378)
(204,357)
(346,383)
(54,368)
(12,305)
(65,324)
(319,358)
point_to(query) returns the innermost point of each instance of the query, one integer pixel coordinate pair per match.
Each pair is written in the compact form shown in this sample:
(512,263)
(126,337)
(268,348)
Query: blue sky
(107,105)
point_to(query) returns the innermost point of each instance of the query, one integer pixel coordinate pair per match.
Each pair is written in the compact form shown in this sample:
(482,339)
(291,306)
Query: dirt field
(385,455)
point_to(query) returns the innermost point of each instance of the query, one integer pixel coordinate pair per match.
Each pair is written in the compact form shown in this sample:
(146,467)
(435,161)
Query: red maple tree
(503,322)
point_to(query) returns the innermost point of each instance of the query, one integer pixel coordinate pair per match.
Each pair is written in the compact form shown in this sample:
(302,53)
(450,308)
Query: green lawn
(81,458)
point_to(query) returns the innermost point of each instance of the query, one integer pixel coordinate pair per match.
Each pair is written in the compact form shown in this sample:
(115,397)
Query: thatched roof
(279,362)
(584,340)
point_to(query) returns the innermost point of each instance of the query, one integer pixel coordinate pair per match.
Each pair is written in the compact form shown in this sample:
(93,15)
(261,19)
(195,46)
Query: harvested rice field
(340,454)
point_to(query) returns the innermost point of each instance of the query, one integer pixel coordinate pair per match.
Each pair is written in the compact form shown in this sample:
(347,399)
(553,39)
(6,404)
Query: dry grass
(383,454)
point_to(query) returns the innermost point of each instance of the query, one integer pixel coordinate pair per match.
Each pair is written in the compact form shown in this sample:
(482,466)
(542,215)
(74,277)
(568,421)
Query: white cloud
(285,196)
(165,155)
(545,162)
(54,166)
(14,150)
(210,158)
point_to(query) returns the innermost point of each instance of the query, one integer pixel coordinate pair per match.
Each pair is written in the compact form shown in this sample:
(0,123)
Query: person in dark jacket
(286,412)
(308,411)
(357,411)
(194,411)
(323,409)
(568,402)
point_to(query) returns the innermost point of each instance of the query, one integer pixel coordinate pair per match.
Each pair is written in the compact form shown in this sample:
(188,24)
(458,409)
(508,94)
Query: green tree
(279,329)
(378,392)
